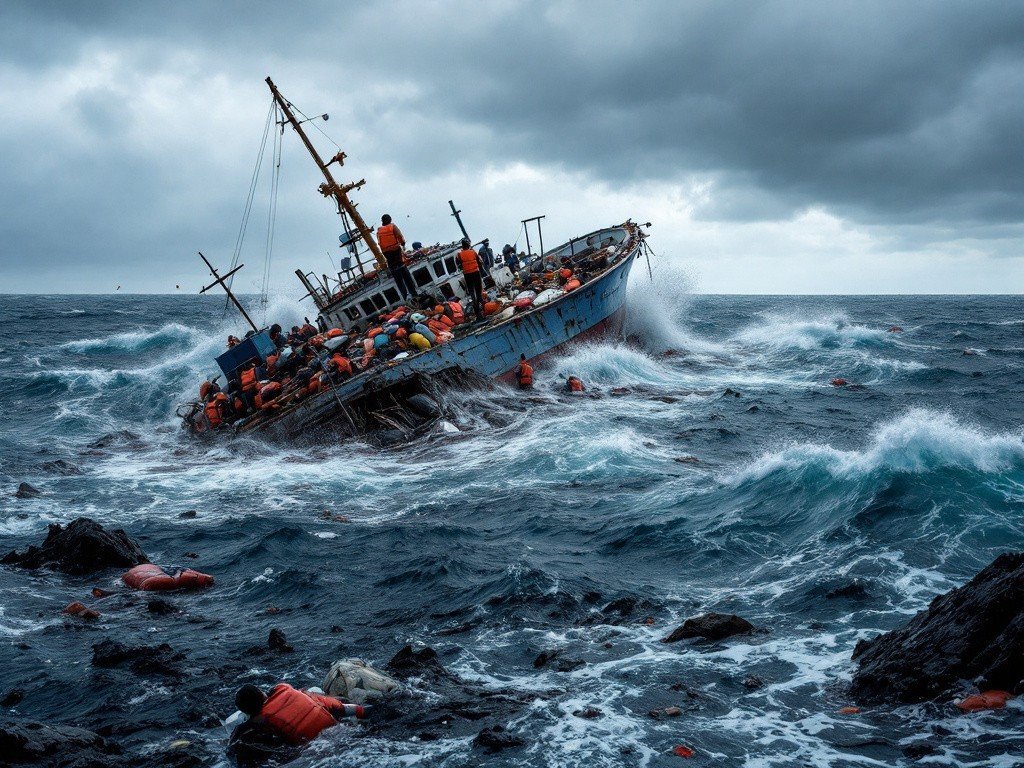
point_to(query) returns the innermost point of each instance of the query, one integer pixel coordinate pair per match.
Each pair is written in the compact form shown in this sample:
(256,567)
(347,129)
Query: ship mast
(331,188)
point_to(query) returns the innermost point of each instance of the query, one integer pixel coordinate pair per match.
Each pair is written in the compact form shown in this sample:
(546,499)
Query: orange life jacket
(296,714)
(525,373)
(153,578)
(267,393)
(248,379)
(389,237)
(575,384)
(470,262)
(215,409)
(342,363)
(457,314)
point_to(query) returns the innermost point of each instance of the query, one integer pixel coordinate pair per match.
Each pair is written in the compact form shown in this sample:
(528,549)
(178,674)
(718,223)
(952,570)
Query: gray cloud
(891,114)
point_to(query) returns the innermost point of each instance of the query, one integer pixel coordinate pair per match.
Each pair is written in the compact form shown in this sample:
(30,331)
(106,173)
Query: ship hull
(595,310)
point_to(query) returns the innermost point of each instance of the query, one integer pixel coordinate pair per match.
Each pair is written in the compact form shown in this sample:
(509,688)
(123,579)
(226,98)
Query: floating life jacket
(525,375)
(575,384)
(248,379)
(419,341)
(297,715)
(387,237)
(153,578)
(470,261)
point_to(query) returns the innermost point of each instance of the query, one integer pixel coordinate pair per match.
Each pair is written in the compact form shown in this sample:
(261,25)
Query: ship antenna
(220,281)
(331,188)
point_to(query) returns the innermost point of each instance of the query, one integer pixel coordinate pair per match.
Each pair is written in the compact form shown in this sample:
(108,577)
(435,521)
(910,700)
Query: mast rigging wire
(271,219)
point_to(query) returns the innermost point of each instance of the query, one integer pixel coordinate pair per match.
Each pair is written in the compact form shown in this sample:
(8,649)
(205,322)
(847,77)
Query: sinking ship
(400,393)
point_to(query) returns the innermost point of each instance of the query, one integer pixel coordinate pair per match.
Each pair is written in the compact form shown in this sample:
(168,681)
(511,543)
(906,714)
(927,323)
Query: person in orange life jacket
(308,330)
(524,373)
(282,721)
(575,384)
(470,262)
(392,242)
(249,379)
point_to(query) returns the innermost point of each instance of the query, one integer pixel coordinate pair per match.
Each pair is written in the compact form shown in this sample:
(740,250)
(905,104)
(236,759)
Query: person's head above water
(385,219)
(250,699)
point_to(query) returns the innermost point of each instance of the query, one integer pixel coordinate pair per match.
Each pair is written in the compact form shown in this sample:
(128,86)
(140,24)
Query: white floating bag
(357,682)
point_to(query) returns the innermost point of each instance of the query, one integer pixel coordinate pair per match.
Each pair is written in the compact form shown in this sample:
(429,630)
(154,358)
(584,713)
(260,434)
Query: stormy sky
(777,147)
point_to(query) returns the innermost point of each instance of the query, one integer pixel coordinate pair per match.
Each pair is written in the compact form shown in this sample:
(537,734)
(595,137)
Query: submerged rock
(278,642)
(81,548)
(974,632)
(495,739)
(409,663)
(142,660)
(710,626)
(61,467)
(26,491)
(44,745)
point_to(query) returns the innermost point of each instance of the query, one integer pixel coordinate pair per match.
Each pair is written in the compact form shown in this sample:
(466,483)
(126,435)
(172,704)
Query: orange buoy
(681,750)
(984,700)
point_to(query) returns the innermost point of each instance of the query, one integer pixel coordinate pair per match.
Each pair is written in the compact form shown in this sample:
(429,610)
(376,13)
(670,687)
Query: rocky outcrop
(710,626)
(26,491)
(81,548)
(974,632)
(44,745)
(142,660)
(410,663)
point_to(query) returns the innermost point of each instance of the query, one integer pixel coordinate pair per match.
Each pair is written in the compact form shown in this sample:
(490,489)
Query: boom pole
(338,191)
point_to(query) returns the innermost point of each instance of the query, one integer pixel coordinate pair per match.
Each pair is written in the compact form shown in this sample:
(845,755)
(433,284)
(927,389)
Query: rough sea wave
(712,466)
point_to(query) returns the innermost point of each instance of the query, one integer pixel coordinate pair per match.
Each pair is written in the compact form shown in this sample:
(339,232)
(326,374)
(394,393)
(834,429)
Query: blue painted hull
(595,309)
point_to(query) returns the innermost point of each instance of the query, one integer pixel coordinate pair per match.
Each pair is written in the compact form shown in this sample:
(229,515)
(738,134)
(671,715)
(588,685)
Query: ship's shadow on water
(542,545)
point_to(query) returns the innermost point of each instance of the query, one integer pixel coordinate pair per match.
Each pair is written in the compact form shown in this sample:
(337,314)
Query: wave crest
(135,341)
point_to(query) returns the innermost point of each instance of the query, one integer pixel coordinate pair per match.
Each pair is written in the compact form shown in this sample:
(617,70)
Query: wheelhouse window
(446,291)
(352,313)
(422,277)
(450,263)
(439,267)
(391,294)
(379,301)
(367,306)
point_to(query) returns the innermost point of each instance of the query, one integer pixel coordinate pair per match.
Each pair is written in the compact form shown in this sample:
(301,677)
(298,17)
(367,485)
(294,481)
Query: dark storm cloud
(886,112)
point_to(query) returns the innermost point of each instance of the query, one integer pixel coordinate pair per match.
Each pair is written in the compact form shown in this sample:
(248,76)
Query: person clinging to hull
(524,373)
(470,262)
(392,245)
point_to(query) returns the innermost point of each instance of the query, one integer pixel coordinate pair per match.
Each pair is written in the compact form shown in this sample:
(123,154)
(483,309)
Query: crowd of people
(310,358)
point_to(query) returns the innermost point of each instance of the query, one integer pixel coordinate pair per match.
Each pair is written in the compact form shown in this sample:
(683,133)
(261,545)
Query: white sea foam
(919,441)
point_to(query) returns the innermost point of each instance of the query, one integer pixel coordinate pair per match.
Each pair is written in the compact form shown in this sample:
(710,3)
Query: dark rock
(710,626)
(83,547)
(162,607)
(590,713)
(408,663)
(919,750)
(974,632)
(26,491)
(189,515)
(49,746)
(278,642)
(142,660)
(569,665)
(753,682)
(855,590)
(543,658)
(61,467)
(335,629)
(729,392)
(112,438)
(495,739)
(12,698)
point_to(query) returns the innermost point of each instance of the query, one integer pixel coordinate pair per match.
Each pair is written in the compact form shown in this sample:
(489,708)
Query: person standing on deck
(470,261)
(392,243)
(486,256)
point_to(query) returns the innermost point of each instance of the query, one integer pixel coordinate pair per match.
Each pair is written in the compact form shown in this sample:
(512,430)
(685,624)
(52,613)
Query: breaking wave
(138,341)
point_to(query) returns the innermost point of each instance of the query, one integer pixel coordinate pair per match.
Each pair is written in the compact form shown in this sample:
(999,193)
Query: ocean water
(823,515)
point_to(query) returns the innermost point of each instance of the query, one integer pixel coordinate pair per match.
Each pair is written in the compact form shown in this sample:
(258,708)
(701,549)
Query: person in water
(282,721)
(524,373)
(392,243)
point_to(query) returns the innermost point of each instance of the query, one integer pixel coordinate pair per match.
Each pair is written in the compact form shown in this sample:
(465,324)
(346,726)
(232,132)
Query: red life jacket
(575,384)
(525,373)
(248,379)
(267,393)
(470,262)
(153,578)
(389,237)
(297,715)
